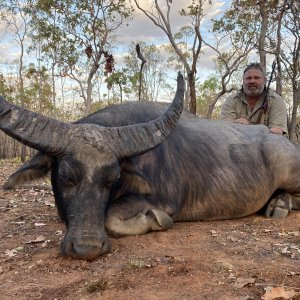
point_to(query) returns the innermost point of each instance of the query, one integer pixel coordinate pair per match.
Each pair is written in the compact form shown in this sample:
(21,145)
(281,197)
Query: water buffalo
(115,172)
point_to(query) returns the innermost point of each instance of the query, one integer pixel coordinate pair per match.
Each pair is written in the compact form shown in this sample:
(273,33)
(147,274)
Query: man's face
(253,82)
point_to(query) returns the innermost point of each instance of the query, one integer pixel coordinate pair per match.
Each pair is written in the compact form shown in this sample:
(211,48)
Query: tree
(154,72)
(282,11)
(162,20)
(38,87)
(76,35)
(182,38)
(227,62)
(6,91)
(290,58)
(249,19)
(16,20)
(118,78)
(207,92)
(16,23)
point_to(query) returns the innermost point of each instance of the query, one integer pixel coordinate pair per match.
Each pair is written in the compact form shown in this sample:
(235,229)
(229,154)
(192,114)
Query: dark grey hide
(204,170)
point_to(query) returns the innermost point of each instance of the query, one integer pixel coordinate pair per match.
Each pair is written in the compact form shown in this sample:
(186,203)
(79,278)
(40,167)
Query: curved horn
(32,129)
(49,135)
(128,141)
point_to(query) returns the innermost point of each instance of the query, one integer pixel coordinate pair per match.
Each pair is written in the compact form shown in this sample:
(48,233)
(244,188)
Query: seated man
(248,106)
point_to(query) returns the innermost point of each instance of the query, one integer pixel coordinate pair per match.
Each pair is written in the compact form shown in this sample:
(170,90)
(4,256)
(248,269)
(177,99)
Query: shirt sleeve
(278,113)
(228,110)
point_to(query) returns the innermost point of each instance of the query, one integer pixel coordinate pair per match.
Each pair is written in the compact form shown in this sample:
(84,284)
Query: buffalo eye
(108,175)
(70,173)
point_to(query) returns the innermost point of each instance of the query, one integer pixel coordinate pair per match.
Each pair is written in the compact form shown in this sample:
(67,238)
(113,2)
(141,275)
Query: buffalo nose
(88,250)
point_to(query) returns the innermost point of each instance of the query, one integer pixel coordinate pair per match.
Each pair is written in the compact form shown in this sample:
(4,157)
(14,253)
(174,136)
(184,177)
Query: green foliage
(194,9)
(207,92)
(154,72)
(66,28)
(6,91)
(183,39)
(38,91)
(184,32)
(75,36)
(118,78)
(241,22)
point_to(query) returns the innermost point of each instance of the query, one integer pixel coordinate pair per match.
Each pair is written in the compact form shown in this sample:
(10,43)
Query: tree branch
(141,57)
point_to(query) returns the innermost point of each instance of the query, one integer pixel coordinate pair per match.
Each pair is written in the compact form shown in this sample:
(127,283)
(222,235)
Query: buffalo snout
(83,244)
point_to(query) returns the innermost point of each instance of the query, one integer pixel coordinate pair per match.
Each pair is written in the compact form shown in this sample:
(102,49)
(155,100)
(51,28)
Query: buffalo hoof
(163,220)
(145,221)
(280,206)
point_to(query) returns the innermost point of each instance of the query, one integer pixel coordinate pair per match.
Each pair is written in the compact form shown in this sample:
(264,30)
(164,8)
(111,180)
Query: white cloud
(143,29)
(140,29)
(8,51)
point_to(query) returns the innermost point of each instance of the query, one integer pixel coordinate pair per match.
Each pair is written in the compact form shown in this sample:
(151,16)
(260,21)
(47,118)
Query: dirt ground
(249,258)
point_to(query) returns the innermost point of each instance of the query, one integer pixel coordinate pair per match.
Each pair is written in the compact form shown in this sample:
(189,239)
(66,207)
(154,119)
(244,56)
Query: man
(247,105)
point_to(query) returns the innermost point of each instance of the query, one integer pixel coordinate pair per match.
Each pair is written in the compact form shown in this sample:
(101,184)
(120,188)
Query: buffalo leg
(149,219)
(279,206)
(295,202)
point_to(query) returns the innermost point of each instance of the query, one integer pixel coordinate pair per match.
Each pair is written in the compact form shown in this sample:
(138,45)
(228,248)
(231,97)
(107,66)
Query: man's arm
(277,121)
(228,110)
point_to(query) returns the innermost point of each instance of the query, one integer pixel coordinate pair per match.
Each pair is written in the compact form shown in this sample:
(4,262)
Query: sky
(139,29)
(142,29)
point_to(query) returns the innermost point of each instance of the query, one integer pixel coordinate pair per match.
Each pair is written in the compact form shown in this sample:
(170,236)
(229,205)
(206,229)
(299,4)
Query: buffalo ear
(36,167)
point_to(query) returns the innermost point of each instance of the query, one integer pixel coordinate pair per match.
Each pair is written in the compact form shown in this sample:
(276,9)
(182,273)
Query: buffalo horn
(32,129)
(132,140)
(53,137)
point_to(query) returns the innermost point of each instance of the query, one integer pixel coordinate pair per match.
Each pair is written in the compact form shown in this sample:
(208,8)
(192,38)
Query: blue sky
(140,29)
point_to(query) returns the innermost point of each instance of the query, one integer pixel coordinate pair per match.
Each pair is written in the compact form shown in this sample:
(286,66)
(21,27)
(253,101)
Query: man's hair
(254,66)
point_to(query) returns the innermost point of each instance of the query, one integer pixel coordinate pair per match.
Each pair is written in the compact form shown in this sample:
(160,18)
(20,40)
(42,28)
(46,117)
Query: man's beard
(253,90)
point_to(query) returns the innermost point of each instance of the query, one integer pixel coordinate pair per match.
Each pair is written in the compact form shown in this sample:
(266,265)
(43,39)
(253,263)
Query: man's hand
(242,121)
(276,130)
(246,122)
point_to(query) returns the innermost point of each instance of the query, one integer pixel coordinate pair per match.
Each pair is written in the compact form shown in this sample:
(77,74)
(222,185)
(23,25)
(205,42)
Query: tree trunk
(212,105)
(296,101)
(192,87)
(21,92)
(23,153)
(88,100)
(278,50)
(263,33)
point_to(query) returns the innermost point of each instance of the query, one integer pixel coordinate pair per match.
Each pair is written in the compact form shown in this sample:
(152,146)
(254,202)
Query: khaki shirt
(236,106)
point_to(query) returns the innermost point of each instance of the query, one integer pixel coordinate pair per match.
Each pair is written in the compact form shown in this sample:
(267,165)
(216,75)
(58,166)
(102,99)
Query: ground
(248,258)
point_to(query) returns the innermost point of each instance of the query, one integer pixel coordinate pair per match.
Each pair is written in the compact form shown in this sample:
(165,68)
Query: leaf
(278,292)
(294,233)
(214,233)
(11,253)
(39,224)
(241,282)
(39,239)
(224,266)
(232,239)
(33,193)
(19,248)
(285,251)
(49,204)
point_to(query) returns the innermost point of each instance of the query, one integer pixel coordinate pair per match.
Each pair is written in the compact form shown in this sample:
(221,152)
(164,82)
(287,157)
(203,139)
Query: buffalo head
(84,160)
